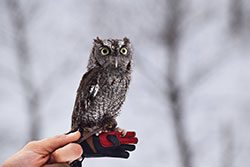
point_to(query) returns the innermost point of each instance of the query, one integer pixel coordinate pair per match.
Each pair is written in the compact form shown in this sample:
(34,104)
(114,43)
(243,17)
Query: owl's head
(111,52)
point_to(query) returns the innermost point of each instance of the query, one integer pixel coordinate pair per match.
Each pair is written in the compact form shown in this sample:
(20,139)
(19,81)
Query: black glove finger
(76,163)
(114,140)
(118,153)
(128,147)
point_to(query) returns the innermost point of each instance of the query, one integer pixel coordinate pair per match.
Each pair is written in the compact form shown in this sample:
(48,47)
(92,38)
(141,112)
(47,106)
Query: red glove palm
(107,138)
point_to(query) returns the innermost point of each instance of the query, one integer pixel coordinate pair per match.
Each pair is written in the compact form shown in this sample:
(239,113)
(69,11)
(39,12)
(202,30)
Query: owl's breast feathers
(100,95)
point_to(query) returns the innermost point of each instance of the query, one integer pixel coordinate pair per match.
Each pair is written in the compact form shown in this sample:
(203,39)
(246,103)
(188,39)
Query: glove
(108,144)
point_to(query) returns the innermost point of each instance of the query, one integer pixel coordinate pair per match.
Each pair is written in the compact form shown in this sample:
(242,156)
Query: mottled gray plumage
(103,87)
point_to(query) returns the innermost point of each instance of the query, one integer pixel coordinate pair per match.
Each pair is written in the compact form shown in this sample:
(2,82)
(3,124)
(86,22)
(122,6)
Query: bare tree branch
(199,75)
(236,16)
(147,74)
(227,140)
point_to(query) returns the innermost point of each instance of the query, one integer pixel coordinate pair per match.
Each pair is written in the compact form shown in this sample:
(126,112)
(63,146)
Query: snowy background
(189,99)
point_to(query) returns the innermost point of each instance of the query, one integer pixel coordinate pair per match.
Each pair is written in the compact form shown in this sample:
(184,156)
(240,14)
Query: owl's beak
(116,62)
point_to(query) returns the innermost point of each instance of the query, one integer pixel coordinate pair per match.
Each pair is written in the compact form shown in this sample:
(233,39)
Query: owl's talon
(110,126)
(98,133)
(123,131)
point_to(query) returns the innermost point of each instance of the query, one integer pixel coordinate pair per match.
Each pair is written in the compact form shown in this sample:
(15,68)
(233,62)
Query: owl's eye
(124,51)
(104,51)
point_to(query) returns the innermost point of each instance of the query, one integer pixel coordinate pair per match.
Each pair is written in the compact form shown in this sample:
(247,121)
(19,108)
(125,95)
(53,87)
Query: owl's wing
(88,79)
(86,93)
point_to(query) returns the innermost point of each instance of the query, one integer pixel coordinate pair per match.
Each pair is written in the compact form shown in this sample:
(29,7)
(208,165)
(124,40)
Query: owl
(102,90)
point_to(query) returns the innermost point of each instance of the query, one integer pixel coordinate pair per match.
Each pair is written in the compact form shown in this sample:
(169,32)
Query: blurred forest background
(189,99)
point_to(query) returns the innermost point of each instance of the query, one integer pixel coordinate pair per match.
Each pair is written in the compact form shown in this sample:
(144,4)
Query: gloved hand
(108,144)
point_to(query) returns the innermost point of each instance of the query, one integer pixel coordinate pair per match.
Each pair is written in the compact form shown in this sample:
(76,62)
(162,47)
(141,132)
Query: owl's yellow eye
(104,51)
(124,51)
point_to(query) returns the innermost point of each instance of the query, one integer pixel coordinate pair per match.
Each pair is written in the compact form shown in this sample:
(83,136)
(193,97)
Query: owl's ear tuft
(126,40)
(98,40)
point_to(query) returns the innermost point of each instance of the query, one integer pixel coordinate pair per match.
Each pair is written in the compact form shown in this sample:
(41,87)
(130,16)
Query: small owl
(102,90)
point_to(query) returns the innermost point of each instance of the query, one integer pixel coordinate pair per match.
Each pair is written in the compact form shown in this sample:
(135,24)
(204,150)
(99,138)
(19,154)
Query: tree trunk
(174,92)
(236,16)
(24,65)
(176,106)
(35,118)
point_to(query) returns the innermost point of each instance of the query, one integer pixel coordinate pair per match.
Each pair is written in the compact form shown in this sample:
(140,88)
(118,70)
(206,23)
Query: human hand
(58,149)
(108,144)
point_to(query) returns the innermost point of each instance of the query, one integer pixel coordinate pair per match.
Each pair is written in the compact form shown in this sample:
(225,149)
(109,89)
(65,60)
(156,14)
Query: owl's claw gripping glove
(108,144)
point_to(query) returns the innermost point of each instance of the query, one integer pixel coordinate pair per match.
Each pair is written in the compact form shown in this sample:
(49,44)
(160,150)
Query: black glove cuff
(87,151)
